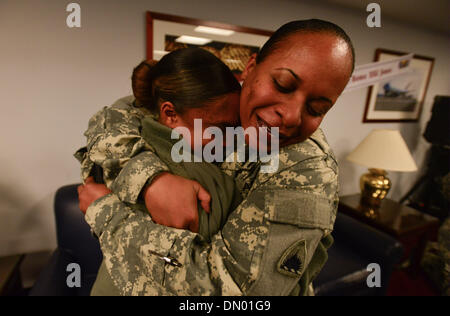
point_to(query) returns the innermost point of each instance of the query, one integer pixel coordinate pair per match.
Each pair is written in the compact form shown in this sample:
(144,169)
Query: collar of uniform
(234,164)
(315,146)
(155,130)
(295,153)
(128,102)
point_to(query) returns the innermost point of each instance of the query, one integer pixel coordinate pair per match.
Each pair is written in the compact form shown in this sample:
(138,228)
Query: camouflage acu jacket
(264,248)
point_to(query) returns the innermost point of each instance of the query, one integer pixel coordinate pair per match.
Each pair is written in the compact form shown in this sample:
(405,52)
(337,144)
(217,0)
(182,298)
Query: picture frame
(400,98)
(232,44)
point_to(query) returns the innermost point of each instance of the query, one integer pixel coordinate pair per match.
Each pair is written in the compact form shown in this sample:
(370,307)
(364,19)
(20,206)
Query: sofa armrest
(52,280)
(367,241)
(73,233)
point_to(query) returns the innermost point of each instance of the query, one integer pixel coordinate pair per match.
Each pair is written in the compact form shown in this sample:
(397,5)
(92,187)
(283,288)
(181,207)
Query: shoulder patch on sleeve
(292,262)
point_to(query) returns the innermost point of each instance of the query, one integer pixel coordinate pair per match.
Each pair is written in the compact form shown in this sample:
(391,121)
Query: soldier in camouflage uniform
(114,133)
(275,242)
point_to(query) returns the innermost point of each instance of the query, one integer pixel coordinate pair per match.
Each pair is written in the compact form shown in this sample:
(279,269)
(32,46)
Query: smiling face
(296,85)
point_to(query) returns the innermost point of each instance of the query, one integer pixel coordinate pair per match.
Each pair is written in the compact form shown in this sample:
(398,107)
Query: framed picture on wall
(232,44)
(399,98)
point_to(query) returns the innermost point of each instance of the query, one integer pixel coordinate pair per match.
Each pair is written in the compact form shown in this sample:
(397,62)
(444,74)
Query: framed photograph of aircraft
(232,44)
(399,98)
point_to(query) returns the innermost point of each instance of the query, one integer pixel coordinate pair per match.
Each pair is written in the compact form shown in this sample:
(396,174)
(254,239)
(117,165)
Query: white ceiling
(430,14)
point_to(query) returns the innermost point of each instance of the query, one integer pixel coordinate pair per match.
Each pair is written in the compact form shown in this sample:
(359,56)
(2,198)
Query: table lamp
(381,150)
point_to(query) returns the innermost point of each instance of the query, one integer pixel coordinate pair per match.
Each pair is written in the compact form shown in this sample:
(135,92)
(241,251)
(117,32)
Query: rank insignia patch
(292,262)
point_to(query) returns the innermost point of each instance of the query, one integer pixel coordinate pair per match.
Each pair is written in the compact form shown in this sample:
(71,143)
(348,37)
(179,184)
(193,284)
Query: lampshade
(383,149)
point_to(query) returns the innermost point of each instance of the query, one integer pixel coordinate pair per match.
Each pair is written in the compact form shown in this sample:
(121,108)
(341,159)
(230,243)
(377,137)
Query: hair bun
(150,63)
(141,82)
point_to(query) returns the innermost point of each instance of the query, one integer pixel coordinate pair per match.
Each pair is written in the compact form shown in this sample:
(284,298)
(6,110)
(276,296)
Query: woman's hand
(172,201)
(89,192)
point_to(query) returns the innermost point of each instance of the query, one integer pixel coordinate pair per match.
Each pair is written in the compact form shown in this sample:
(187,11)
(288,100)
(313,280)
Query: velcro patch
(292,262)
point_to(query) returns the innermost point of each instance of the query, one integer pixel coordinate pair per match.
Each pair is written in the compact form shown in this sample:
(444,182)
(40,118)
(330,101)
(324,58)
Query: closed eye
(313,112)
(317,110)
(282,88)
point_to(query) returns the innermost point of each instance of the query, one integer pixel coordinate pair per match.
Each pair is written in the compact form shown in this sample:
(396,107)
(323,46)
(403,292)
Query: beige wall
(52,79)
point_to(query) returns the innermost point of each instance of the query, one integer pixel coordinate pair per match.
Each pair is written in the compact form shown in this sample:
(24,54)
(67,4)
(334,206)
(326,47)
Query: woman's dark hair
(303,26)
(188,78)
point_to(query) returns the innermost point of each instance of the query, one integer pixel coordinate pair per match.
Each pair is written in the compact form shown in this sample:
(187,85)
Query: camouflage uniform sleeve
(134,247)
(139,171)
(263,249)
(113,138)
(291,213)
(86,164)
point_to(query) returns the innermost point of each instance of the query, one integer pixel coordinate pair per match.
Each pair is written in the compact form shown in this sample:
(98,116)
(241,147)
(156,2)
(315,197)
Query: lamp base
(374,187)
